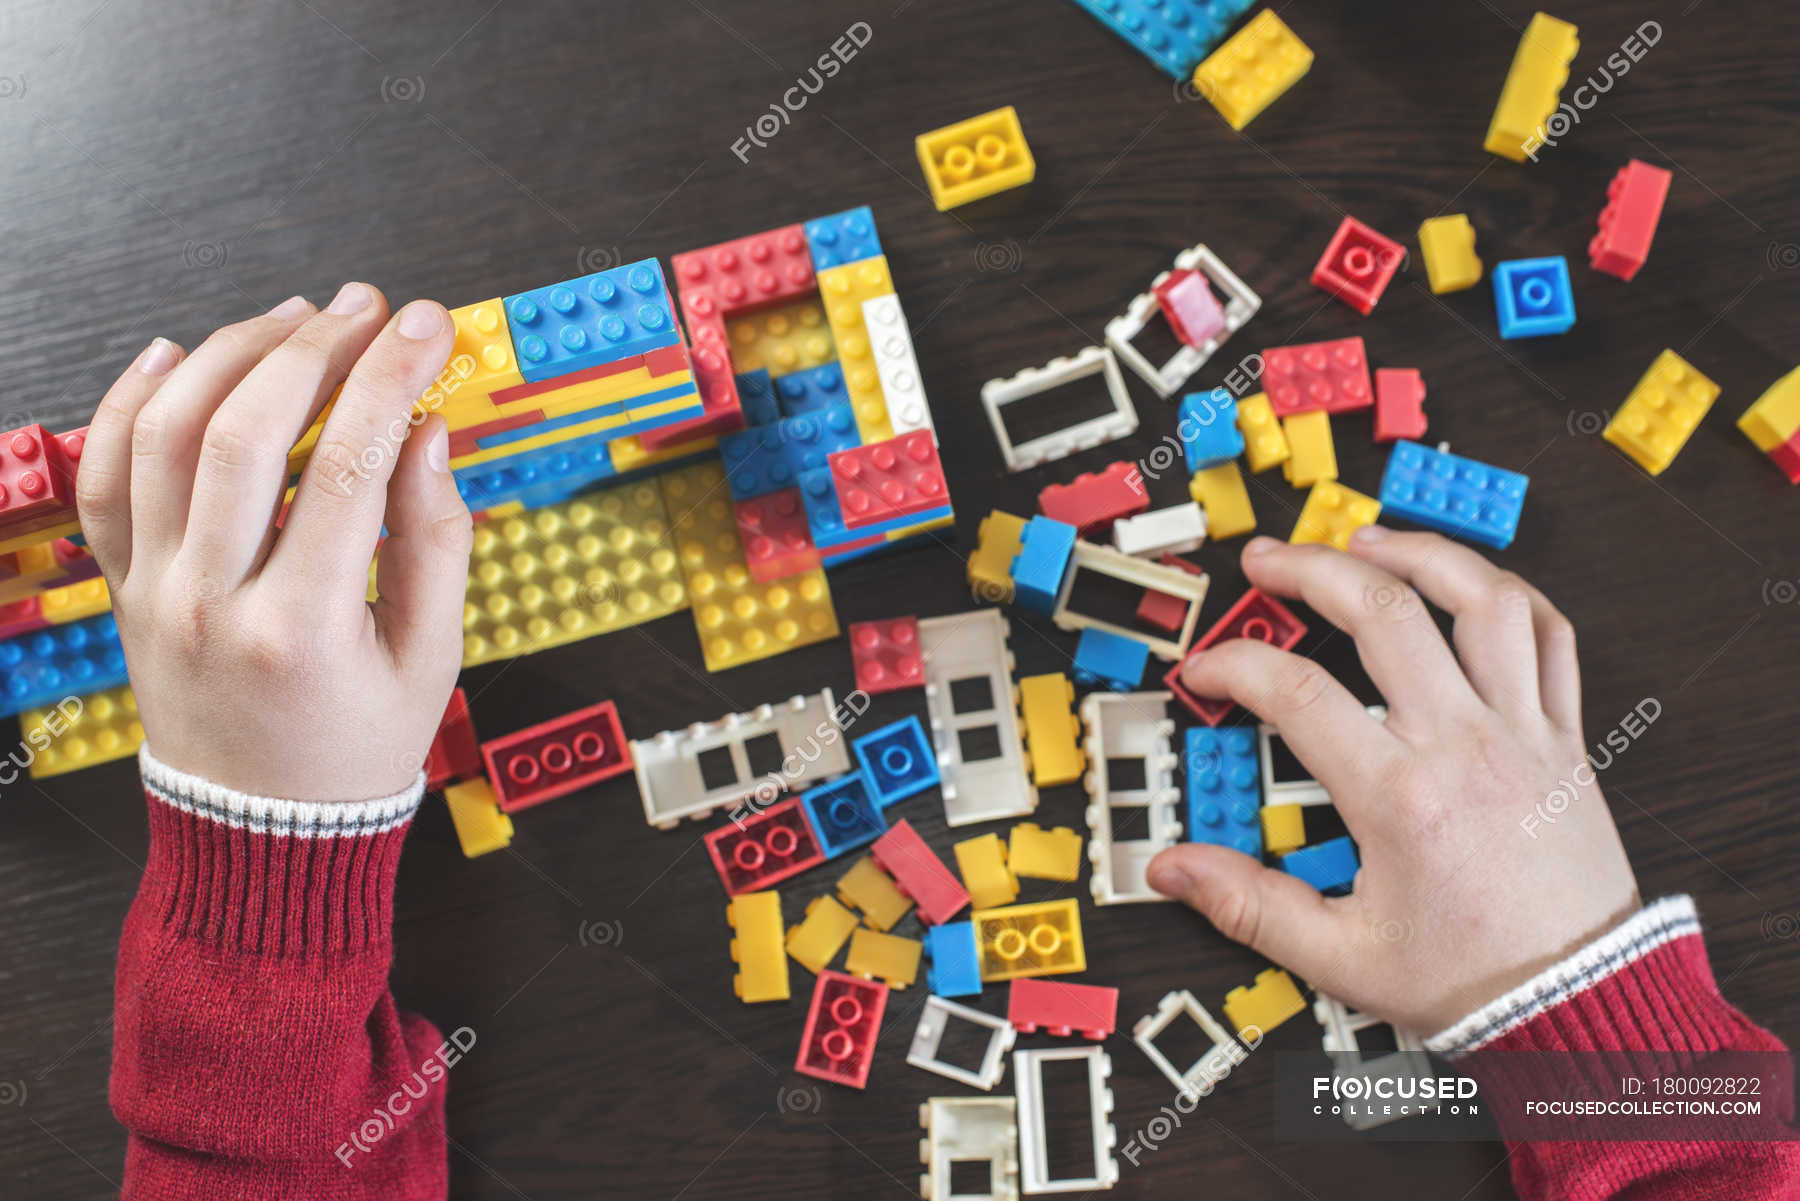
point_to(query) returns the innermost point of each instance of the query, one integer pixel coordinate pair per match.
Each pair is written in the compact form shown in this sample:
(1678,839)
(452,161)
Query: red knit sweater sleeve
(257,1052)
(1645,986)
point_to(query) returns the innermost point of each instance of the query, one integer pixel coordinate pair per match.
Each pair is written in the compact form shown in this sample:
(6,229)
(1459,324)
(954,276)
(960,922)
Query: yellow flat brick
(755,920)
(475,812)
(1447,244)
(1264,443)
(1043,939)
(1220,491)
(817,939)
(1332,513)
(976,158)
(844,289)
(868,888)
(62,739)
(982,863)
(784,339)
(1253,68)
(1312,457)
(1052,734)
(1661,412)
(1045,854)
(886,957)
(72,602)
(1533,87)
(1775,417)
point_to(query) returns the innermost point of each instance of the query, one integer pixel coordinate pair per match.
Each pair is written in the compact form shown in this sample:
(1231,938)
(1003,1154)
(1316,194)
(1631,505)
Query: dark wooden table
(171,167)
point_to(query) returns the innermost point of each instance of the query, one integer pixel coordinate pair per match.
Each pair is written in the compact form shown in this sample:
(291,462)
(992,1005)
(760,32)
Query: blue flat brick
(896,760)
(1532,297)
(1224,788)
(45,666)
(955,967)
(538,477)
(801,392)
(844,814)
(1453,495)
(1104,659)
(769,458)
(808,440)
(842,238)
(1329,867)
(1173,34)
(1037,570)
(756,393)
(586,322)
(1207,426)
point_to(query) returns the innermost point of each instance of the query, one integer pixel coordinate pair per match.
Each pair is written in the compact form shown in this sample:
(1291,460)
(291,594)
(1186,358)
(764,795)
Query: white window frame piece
(1213,1066)
(1122,331)
(964,646)
(1292,792)
(1034,1159)
(896,366)
(934,1020)
(1122,422)
(1339,1026)
(1176,530)
(963,1129)
(673,787)
(1104,560)
(1129,725)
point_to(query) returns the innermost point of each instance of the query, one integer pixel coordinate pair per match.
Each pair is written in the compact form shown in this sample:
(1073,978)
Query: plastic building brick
(1339,1026)
(973,159)
(484,344)
(674,788)
(1453,495)
(982,862)
(919,873)
(787,340)
(811,390)
(1104,560)
(886,654)
(37,481)
(1358,265)
(1399,404)
(982,1131)
(1329,867)
(1207,426)
(557,757)
(1253,68)
(747,273)
(1176,530)
(1184,294)
(846,237)
(1034,1149)
(896,761)
(1787,458)
(720,410)
(1332,513)
(818,938)
(1312,457)
(887,957)
(896,366)
(40,668)
(1264,443)
(1775,417)
(1093,501)
(1532,297)
(844,814)
(955,969)
(1042,563)
(826,519)
(1092,361)
(934,1022)
(1283,828)
(1045,854)
(969,695)
(990,566)
(590,321)
(897,478)
(838,1043)
(1331,377)
(1447,244)
(72,602)
(1224,792)
(868,888)
(1204,1073)
(1255,615)
(1052,733)
(455,752)
(1057,1007)
(1121,729)
(776,541)
(546,476)
(755,921)
(1104,659)
(763,848)
(104,728)
(770,458)
(481,825)
(1039,939)
(1173,34)
(21,617)
(845,290)
(1661,413)
(1161,610)
(1533,84)
(756,393)
(1260,1007)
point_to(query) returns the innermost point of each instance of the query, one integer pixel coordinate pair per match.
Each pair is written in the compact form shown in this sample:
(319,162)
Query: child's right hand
(1456,901)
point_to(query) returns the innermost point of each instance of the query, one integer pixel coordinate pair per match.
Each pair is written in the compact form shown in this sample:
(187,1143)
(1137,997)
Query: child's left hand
(255,657)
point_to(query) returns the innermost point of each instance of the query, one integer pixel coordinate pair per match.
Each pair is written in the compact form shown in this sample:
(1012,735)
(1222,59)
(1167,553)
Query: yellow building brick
(1533,87)
(1260,1007)
(1253,68)
(1775,417)
(1312,456)
(105,728)
(982,862)
(1052,732)
(1042,939)
(990,567)
(1220,491)
(1045,854)
(1447,244)
(784,339)
(868,888)
(1264,443)
(976,158)
(818,938)
(885,957)
(1332,513)
(1661,412)
(755,920)
(844,289)
(1283,828)
(475,812)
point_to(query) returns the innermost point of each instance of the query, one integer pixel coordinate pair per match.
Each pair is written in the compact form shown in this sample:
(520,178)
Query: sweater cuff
(266,875)
(1653,926)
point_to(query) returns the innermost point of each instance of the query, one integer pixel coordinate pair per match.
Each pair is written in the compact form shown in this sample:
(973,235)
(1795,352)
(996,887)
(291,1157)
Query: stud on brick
(1358,264)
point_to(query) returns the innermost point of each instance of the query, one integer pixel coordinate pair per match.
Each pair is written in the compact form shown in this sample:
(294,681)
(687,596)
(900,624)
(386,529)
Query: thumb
(423,568)
(1275,914)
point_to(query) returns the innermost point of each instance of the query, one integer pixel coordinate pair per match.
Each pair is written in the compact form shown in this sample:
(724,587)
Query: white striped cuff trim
(1660,922)
(269,815)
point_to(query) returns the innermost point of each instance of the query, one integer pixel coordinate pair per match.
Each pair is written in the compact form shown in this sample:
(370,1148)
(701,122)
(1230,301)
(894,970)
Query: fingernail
(1169,880)
(437,451)
(157,357)
(1369,535)
(351,298)
(293,306)
(421,320)
(1261,545)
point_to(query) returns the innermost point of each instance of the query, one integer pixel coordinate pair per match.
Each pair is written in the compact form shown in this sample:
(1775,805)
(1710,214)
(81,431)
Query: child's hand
(256,660)
(1456,902)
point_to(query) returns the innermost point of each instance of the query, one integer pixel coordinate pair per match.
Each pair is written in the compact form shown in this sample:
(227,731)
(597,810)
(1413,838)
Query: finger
(243,469)
(331,529)
(165,439)
(423,570)
(103,482)
(1398,642)
(1494,623)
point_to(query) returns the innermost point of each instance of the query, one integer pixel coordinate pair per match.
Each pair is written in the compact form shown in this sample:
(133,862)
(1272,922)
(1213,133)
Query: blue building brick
(1329,867)
(896,760)
(545,476)
(768,458)
(756,394)
(842,238)
(1224,788)
(1533,297)
(801,392)
(46,666)
(1173,34)
(1043,559)
(825,518)
(1104,659)
(1207,426)
(955,967)
(810,438)
(587,322)
(1453,495)
(844,814)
